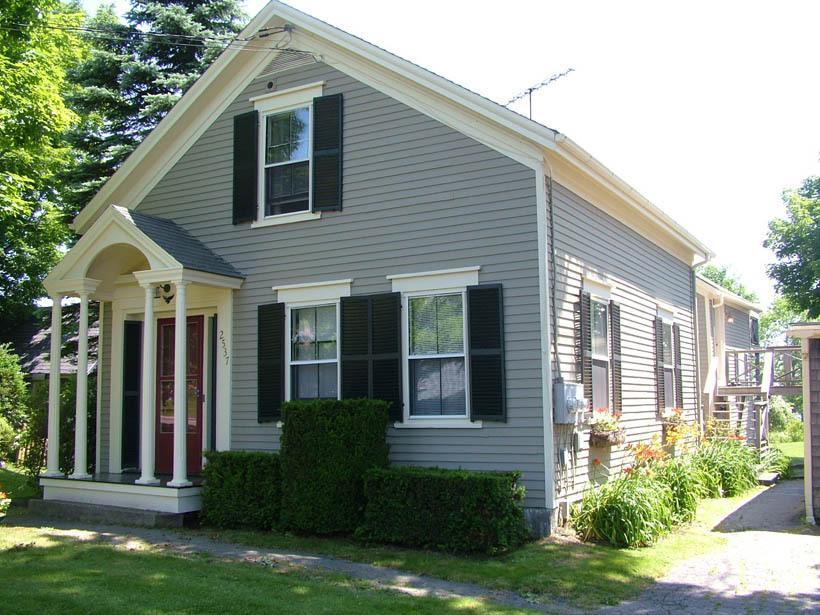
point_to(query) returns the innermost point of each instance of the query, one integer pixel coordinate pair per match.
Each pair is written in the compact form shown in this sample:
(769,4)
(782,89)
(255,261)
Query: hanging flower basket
(607,438)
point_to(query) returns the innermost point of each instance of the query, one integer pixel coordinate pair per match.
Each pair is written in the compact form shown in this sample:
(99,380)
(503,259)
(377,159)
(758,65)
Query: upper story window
(287,146)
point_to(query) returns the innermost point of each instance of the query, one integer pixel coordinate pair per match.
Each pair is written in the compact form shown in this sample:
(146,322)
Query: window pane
(303,334)
(305,382)
(667,344)
(452,387)
(600,345)
(192,404)
(668,388)
(450,324)
(287,136)
(426,391)
(166,407)
(600,384)
(287,184)
(326,331)
(328,379)
(423,335)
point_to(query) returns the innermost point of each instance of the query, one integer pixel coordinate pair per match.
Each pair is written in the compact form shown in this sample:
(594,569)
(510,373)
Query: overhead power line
(541,84)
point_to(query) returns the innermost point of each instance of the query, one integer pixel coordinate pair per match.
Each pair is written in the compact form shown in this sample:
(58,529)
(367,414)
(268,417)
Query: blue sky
(707,108)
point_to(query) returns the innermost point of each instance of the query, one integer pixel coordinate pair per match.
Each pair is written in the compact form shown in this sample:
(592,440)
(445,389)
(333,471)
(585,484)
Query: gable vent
(287,60)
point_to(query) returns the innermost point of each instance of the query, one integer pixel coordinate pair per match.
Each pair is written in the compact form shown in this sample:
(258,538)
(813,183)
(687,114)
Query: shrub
(242,489)
(13,390)
(729,462)
(775,460)
(8,441)
(451,510)
(633,510)
(327,446)
(680,476)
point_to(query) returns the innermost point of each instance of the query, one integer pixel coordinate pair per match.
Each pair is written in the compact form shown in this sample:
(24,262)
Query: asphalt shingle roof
(179,243)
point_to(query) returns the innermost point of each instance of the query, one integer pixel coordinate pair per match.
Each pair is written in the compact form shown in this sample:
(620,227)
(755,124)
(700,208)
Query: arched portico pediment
(122,241)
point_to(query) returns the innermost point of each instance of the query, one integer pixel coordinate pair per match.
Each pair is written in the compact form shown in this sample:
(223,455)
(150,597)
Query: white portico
(165,393)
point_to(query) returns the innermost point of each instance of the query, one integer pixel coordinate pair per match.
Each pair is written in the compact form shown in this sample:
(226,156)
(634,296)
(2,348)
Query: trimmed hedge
(327,446)
(451,510)
(242,489)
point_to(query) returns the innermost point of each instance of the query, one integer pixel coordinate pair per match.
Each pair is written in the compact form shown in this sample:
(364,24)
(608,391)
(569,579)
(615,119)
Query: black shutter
(755,332)
(371,349)
(245,166)
(131,393)
(583,343)
(485,326)
(678,370)
(270,361)
(327,153)
(615,359)
(661,399)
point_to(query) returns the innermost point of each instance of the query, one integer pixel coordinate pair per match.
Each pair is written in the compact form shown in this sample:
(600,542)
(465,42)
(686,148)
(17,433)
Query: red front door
(165,395)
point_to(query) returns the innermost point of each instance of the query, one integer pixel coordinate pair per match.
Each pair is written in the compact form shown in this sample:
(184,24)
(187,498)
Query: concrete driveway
(771,564)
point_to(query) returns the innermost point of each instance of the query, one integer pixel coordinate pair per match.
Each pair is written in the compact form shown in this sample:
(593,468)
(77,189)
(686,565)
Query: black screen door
(131,384)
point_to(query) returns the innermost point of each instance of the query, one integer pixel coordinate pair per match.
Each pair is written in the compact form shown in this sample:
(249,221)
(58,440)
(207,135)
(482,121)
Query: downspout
(546,341)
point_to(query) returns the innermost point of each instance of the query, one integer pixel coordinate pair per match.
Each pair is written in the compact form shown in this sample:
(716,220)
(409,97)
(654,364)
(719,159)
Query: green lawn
(583,574)
(794,450)
(42,571)
(16,483)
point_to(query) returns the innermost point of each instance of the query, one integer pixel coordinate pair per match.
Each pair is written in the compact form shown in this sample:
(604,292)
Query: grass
(584,575)
(43,569)
(16,483)
(794,450)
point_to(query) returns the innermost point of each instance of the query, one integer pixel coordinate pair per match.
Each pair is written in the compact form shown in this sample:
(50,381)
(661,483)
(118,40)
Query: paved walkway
(770,566)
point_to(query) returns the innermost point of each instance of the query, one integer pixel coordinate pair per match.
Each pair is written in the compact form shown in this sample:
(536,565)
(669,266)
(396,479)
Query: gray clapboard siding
(104,374)
(739,332)
(643,274)
(418,196)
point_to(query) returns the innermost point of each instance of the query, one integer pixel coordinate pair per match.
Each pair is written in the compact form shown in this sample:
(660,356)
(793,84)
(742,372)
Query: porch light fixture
(163,291)
(730,320)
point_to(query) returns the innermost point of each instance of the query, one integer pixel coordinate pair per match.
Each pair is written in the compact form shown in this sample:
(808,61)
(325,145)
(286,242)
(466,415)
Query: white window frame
(667,316)
(426,284)
(289,307)
(600,291)
(274,103)
(312,294)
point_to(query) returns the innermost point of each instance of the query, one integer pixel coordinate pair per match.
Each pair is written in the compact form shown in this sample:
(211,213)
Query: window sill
(461,423)
(302,216)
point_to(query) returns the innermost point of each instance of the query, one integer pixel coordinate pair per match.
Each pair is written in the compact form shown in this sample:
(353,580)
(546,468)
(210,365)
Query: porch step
(108,515)
(768,478)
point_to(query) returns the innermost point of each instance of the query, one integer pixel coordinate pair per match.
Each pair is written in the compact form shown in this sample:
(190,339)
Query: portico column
(180,389)
(147,438)
(81,416)
(53,454)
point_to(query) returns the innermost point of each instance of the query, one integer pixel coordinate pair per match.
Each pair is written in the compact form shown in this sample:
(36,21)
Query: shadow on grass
(49,571)
(778,509)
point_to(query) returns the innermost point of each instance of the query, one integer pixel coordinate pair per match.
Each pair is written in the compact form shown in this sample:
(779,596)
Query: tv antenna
(542,84)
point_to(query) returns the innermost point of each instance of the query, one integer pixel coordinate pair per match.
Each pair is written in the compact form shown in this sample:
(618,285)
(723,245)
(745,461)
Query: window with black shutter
(615,349)
(288,159)
(678,366)
(270,361)
(583,343)
(370,352)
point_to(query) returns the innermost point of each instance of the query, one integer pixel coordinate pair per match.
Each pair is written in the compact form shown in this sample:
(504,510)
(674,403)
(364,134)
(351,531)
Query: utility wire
(194,41)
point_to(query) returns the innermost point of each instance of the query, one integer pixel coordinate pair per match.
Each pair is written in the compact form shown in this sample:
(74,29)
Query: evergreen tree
(137,70)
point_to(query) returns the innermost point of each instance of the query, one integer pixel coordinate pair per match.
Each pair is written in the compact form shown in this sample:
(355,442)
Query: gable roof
(706,286)
(492,124)
(180,244)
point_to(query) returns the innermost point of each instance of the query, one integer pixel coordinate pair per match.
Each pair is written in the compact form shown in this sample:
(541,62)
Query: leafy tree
(132,78)
(721,276)
(13,390)
(775,321)
(35,52)
(795,241)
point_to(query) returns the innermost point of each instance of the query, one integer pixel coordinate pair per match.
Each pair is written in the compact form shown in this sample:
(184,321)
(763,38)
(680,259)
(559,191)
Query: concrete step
(109,515)
(768,478)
